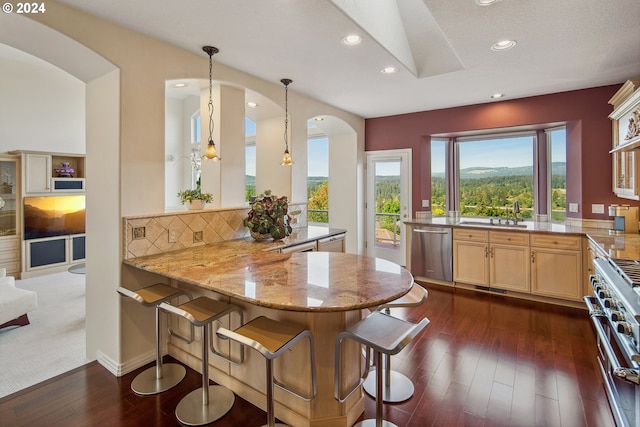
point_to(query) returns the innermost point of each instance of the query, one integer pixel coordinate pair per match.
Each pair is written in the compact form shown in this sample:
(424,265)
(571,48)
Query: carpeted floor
(54,342)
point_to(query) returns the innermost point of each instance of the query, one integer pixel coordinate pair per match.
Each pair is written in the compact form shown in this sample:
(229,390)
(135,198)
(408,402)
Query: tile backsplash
(166,232)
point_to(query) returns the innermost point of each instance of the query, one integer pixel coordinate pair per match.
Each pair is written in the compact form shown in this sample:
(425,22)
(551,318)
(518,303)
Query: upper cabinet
(52,173)
(626,140)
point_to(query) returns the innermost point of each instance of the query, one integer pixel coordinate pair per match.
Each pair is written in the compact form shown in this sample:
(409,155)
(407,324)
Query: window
(438,176)
(195,150)
(250,158)
(557,149)
(317,177)
(494,172)
(195,128)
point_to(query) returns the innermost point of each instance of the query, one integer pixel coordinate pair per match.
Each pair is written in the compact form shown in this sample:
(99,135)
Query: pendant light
(286,158)
(211,152)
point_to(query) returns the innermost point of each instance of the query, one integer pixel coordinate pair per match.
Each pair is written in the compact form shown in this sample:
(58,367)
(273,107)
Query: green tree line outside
(488,196)
(491,196)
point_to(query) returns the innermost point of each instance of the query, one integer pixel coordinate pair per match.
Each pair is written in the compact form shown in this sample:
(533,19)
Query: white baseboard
(120,369)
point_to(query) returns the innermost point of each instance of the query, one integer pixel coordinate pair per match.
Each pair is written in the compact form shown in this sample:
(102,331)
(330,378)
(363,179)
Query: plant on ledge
(268,217)
(195,199)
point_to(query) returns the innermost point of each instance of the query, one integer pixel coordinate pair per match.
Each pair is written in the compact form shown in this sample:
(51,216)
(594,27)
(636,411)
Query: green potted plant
(195,199)
(268,217)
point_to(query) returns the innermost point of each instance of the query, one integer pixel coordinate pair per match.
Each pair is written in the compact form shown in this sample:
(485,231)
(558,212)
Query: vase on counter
(196,204)
(259,236)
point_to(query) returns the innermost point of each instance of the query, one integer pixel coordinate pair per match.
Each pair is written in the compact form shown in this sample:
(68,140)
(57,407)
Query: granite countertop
(529,226)
(301,281)
(625,246)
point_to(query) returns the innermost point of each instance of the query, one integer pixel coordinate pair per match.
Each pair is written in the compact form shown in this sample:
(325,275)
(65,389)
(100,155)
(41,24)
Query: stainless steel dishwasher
(431,253)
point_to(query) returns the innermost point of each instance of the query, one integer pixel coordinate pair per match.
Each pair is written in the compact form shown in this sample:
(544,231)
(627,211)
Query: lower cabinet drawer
(556,241)
(471,234)
(509,238)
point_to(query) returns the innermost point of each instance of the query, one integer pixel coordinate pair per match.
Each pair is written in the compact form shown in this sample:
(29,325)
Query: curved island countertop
(299,281)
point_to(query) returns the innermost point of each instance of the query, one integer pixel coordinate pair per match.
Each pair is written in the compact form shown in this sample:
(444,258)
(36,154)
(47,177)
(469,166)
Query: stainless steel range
(615,312)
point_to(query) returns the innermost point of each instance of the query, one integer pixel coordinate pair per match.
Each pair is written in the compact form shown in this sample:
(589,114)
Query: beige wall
(126,160)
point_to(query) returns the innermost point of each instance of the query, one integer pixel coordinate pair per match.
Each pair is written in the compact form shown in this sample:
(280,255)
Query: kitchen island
(324,291)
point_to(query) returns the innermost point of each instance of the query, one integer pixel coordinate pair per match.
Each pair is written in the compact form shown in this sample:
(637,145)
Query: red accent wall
(585,112)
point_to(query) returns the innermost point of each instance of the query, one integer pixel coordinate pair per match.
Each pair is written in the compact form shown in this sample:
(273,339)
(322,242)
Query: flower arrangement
(268,217)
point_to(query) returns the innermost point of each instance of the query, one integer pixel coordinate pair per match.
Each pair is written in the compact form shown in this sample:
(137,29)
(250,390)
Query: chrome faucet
(516,211)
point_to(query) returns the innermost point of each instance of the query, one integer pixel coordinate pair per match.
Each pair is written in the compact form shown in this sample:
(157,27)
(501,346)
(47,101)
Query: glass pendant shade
(211,152)
(286,159)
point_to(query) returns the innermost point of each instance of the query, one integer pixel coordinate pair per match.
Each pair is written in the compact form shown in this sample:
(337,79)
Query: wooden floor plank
(484,361)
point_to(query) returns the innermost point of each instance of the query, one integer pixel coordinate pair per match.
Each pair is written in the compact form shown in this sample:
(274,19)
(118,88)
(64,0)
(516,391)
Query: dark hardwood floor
(484,360)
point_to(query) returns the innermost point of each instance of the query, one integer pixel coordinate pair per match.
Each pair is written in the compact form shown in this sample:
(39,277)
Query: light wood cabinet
(556,266)
(471,262)
(541,264)
(10,255)
(40,175)
(626,140)
(509,261)
(495,259)
(37,178)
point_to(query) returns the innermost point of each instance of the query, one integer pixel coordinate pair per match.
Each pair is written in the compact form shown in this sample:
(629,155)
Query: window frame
(541,153)
(548,147)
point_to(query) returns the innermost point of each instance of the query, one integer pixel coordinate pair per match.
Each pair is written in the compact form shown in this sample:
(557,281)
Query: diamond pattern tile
(216,226)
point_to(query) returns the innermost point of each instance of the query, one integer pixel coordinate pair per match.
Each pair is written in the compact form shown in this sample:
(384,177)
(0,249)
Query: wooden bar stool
(397,386)
(163,376)
(272,338)
(198,408)
(383,334)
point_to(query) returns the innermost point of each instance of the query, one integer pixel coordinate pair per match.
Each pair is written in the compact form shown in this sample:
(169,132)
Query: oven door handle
(628,374)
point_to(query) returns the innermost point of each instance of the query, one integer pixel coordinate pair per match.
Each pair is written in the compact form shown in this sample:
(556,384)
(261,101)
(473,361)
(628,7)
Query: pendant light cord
(211,52)
(286,116)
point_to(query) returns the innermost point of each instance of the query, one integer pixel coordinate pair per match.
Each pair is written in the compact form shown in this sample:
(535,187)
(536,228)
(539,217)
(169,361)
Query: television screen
(52,216)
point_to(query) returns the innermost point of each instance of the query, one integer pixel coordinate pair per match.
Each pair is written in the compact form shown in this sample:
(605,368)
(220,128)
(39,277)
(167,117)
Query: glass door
(388,203)
(8,194)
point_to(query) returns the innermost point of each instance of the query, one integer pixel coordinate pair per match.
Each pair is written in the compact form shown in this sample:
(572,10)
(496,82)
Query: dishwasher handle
(418,230)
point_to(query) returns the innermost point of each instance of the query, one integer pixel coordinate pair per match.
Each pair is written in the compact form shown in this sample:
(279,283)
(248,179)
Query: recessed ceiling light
(318,119)
(252,104)
(503,45)
(180,85)
(352,40)
(486,2)
(389,70)
(497,95)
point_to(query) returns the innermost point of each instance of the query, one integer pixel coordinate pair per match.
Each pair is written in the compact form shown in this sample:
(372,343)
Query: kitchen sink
(495,224)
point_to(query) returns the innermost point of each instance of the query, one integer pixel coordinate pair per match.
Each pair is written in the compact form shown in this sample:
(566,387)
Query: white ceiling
(441,47)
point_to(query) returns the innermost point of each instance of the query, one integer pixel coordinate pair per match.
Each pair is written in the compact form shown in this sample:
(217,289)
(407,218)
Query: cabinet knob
(533,257)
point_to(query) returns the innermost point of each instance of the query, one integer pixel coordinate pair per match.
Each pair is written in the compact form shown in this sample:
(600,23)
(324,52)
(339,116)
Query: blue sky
(318,154)
(498,152)
(487,153)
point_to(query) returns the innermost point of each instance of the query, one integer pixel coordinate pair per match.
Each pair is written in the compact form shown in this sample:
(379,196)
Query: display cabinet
(626,140)
(52,172)
(9,215)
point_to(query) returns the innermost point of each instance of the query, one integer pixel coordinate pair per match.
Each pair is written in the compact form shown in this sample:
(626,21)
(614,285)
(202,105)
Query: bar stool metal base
(146,383)
(400,387)
(373,423)
(190,411)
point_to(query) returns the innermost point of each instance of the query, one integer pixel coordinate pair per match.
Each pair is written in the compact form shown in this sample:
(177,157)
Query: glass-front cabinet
(626,140)
(9,214)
